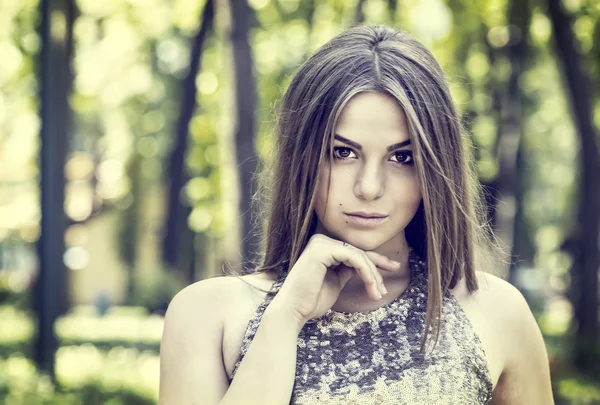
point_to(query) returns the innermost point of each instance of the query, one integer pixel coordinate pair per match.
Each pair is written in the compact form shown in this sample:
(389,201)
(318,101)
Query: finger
(376,286)
(353,257)
(379,280)
(383,262)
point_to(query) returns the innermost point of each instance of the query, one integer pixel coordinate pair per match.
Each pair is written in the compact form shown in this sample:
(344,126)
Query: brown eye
(344,153)
(404,157)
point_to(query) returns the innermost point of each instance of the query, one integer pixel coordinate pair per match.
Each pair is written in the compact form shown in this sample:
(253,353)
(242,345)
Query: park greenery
(157,142)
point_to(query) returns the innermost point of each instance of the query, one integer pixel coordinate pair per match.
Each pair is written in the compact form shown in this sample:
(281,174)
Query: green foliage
(16,332)
(109,359)
(129,59)
(9,295)
(115,370)
(577,392)
(155,291)
(22,384)
(127,326)
(131,327)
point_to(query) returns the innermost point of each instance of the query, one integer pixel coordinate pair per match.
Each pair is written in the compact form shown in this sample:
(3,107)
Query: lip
(365,222)
(366,214)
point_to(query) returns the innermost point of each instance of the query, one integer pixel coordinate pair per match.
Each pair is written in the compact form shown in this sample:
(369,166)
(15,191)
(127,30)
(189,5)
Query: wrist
(284,317)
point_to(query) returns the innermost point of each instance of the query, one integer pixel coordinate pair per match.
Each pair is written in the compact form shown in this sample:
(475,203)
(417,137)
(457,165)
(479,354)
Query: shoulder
(492,291)
(525,375)
(212,297)
(216,290)
(497,309)
(205,290)
(496,289)
(505,303)
(192,363)
(195,321)
(201,301)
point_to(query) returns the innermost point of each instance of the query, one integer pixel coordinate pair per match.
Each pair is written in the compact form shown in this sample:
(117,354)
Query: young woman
(367,290)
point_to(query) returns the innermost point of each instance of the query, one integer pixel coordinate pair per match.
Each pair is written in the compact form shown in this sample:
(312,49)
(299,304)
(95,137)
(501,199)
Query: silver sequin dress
(373,357)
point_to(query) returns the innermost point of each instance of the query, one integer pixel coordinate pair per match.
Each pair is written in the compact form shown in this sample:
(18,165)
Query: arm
(191,362)
(525,378)
(266,374)
(191,365)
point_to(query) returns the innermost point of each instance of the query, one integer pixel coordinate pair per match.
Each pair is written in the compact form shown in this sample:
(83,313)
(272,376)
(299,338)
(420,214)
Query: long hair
(447,228)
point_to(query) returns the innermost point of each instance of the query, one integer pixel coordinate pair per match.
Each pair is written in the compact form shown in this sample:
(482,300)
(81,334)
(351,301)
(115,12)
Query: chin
(366,242)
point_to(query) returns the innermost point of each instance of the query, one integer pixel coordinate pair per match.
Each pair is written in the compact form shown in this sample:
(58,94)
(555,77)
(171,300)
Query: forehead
(373,117)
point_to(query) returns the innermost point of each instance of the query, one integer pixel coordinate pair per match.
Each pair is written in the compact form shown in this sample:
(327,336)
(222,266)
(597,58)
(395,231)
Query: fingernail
(385,291)
(395,263)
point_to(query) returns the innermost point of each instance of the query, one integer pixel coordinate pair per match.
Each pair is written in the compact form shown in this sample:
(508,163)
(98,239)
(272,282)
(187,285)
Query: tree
(176,228)
(359,15)
(582,244)
(51,298)
(245,100)
(509,216)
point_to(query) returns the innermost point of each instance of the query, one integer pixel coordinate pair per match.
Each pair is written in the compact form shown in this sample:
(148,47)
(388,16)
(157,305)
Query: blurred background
(129,131)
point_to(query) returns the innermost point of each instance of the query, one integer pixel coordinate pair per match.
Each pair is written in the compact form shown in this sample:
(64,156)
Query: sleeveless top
(373,357)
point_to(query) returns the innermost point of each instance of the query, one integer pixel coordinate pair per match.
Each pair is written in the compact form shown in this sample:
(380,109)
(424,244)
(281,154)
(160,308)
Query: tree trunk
(176,213)
(510,142)
(466,36)
(245,99)
(55,77)
(584,240)
(393,7)
(495,89)
(359,15)
(128,227)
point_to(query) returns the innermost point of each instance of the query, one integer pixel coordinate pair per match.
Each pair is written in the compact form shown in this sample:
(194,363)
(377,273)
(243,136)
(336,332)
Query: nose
(369,184)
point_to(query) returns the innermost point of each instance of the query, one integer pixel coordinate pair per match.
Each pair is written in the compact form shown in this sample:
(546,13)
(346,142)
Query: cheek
(417,196)
(409,194)
(321,193)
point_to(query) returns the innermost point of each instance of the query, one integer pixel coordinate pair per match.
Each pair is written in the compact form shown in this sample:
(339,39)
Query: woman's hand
(316,279)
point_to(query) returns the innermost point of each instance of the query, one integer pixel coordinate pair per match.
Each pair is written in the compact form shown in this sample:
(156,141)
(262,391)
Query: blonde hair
(447,228)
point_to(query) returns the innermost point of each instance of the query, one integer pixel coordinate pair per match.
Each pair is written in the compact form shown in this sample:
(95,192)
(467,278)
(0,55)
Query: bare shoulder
(201,310)
(192,367)
(525,377)
(217,292)
(484,309)
(504,302)
(493,288)
(496,297)
(211,291)
(210,302)
(197,309)
(504,305)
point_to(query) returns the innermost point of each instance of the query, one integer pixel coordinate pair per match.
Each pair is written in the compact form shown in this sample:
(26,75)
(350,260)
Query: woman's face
(369,174)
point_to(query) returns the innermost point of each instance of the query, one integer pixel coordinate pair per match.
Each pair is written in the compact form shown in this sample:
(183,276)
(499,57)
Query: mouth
(366,215)
(364,221)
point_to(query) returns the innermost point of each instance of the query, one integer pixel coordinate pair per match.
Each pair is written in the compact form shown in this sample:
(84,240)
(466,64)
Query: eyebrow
(359,146)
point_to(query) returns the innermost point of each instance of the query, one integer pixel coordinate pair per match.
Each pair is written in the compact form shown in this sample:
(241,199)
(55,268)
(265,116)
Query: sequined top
(373,357)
